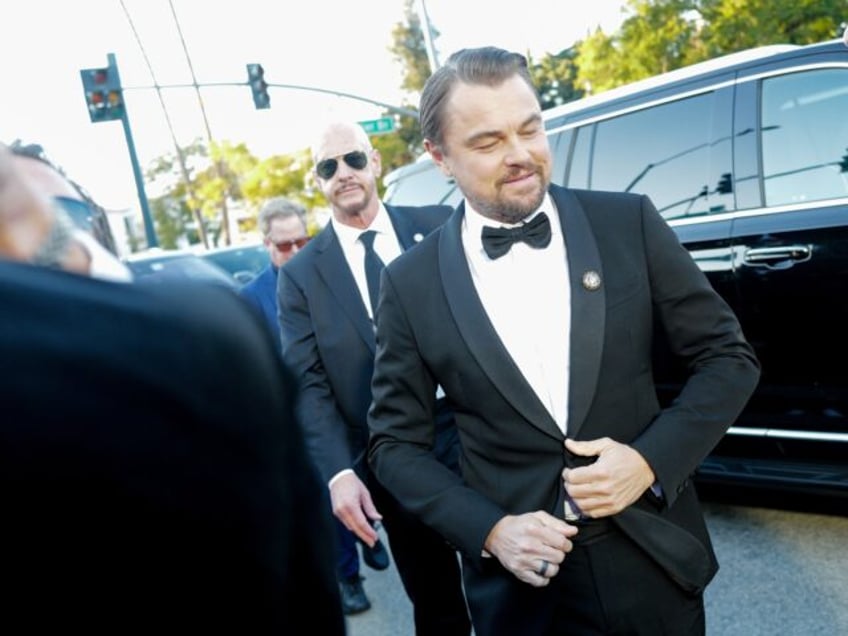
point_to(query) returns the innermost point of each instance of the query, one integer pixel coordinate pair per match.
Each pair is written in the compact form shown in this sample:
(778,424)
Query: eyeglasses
(78,210)
(287,246)
(327,167)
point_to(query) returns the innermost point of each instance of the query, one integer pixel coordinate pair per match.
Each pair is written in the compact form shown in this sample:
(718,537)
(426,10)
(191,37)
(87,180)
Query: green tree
(655,38)
(409,50)
(662,35)
(735,25)
(555,78)
(226,172)
(170,221)
(283,175)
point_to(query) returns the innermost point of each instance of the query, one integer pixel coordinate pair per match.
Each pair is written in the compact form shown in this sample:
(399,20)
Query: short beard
(505,212)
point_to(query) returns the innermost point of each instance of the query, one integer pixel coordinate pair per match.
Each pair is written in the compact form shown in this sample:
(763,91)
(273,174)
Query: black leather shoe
(354,600)
(376,558)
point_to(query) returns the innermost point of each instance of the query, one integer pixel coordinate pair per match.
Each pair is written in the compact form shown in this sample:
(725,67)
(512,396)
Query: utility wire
(201,228)
(219,170)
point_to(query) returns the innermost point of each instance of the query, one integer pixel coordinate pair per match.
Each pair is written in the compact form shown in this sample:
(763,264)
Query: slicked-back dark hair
(486,65)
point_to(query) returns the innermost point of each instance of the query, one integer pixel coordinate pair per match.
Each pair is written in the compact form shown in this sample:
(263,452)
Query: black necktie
(373,267)
(498,240)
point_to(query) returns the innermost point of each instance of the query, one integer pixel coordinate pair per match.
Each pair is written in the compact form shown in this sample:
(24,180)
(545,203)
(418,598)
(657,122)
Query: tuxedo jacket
(151,468)
(261,294)
(433,330)
(328,339)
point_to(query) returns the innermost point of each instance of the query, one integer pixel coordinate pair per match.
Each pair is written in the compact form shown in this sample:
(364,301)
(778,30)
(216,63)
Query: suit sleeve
(322,424)
(401,422)
(702,331)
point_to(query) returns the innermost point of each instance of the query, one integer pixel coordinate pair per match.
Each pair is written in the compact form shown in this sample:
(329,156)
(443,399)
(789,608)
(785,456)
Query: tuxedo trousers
(606,585)
(428,566)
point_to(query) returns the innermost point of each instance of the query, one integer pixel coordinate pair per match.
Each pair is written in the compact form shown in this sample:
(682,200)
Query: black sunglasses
(355,159)
(286,246)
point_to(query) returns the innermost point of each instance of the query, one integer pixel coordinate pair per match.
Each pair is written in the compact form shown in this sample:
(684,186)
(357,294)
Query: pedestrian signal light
(258,86)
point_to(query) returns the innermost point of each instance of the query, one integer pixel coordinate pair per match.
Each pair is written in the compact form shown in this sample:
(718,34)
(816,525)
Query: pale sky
(337,45)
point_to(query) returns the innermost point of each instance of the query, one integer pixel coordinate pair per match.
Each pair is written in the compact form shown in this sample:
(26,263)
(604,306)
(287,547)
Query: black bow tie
(498,240)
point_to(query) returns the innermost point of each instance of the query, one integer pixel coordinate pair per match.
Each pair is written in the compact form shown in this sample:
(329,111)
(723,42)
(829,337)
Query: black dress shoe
(376,558)
(354,600)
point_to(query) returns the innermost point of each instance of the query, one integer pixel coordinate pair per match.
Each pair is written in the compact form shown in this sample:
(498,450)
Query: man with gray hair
(283,226)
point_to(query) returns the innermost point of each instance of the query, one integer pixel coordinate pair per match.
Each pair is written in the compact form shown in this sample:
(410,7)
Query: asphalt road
(782,573)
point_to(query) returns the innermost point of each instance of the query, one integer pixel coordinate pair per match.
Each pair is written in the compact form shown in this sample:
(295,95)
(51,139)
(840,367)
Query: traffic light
(103,94)
(256,79)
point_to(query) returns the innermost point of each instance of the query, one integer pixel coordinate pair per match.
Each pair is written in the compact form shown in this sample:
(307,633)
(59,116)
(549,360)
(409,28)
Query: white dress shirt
(388,248)
(527,296)
(386,245)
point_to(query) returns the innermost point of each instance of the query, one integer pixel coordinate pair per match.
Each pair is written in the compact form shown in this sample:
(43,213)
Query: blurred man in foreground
(153,474)
(89,245)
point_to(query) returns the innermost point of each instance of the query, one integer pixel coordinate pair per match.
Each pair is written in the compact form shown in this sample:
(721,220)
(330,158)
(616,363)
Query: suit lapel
(588,307)
(403,228)
(477,330)
(334,270)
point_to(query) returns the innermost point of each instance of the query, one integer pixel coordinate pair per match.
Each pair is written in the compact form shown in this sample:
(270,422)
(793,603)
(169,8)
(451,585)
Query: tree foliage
(735,25)
(554,77)
(409,49)
(662,35)
(223,172)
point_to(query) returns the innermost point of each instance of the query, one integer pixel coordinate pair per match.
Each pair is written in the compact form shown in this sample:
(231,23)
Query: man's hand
(352,505)
(531,546)
(618,478)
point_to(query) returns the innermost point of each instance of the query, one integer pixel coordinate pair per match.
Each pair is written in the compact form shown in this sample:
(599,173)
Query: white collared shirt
(527,296)
(386,245)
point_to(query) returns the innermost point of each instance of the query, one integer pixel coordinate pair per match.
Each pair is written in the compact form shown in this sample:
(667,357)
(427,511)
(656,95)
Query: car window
(806,112)
(165,267)
(421,183)
(242,262)
(686,169)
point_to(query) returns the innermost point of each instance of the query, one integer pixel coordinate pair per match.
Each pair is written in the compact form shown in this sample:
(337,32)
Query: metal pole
(149,229)
(432,56)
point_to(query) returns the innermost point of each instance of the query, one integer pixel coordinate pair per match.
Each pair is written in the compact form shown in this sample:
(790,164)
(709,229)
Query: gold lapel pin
(591,280)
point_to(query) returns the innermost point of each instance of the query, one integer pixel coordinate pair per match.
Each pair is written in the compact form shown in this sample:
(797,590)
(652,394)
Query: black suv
(746,157)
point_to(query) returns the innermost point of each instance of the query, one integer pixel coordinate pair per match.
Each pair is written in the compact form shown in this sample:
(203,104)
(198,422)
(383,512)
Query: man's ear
(377,162)
(438,157)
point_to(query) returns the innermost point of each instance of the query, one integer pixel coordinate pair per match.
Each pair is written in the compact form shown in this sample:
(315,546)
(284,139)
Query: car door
(791,264)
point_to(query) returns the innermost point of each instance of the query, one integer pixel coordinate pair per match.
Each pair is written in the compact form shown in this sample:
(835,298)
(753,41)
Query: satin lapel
(334,270)
(588,307)
(479,334)
(403,228)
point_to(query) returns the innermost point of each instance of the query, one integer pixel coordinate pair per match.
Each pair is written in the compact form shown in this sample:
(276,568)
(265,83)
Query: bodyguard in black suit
(327,330)
(535,308)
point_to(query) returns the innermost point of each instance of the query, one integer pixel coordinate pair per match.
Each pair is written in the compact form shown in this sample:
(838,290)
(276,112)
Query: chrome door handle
(772,256)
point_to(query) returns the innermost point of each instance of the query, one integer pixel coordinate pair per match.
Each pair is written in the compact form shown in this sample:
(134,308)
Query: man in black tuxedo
(153,475)
(326,318)
(534,307)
